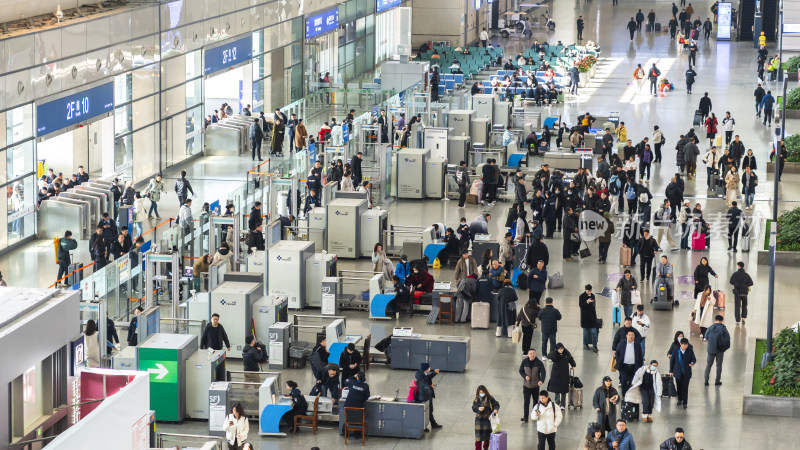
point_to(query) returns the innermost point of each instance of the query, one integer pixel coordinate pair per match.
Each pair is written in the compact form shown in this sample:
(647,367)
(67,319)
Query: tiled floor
(714,418)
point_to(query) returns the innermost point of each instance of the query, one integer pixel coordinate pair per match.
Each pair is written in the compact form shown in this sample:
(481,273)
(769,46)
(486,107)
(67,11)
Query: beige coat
(707,319)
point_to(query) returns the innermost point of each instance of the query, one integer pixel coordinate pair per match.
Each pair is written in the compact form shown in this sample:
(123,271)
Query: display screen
(228,55)
(322,23)
(383,5)
(724,16)
(73,109)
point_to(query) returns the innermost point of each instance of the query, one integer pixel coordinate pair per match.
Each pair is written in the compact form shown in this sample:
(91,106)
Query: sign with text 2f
(228,55)
(74,109)
(322,23)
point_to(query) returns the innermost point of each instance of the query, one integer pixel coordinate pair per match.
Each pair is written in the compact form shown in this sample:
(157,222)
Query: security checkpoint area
(265,224)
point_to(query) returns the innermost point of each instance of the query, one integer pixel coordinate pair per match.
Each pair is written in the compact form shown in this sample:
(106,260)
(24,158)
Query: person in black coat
(256,238)
(701,276)
(252,354)
(538,252)
(424,378)
(587,303)
(627,367)
(328,384)
(680,368)
(319,358)
(111,333)
(133,336)
(559,378)
(350,360)
(299,404)
(549,317)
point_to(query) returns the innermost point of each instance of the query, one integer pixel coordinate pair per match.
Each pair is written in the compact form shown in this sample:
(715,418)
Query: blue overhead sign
(74,109)
(228,55)
(322,23)
(383,5)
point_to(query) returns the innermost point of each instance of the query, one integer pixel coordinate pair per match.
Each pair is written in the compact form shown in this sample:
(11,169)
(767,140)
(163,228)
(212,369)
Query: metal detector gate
(225,221)
(155,274)
(280,191)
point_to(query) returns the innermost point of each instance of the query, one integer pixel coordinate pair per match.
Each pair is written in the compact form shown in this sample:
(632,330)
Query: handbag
(556,281)
(585,252)
(613,363)
(599,324)
(516,335)
(575,237)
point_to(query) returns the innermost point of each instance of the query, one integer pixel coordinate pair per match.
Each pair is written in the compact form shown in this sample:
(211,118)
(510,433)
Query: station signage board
(228,55)
(384,5)
(74,109)
(322,23)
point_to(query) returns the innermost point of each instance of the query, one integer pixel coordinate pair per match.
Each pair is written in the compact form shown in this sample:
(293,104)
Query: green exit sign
(162,365)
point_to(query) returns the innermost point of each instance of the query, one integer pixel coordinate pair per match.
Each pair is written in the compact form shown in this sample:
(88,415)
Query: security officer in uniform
(357,395)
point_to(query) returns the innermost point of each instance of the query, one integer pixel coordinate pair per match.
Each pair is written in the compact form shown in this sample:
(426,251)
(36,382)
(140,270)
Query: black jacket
(588,310)
(701,275)
(526,362)
(425,383)
(734,217)
(751,185)
(705,104)
(682,369)
(213,337)
(549,317)
(538,252)
(358,393)
(252,356)
(255,219)
(346,359)
(622,348)
(256,240)
(133,337)
(619,336)
(672,444)
(648,247)
(741,281)
(128,196)
(559,377)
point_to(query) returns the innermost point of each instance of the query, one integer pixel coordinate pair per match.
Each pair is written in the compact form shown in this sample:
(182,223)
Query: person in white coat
(641,323)
(236,428)
(140,211)
(646,389)
(91,344)
(548,417)
(703,311)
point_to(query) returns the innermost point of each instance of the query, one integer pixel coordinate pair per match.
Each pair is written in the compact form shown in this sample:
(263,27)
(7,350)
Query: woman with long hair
(484,406)
(92,344)
(236,427)
(605,401)
(676,344)
(703,312)
(486,261)
(381,262)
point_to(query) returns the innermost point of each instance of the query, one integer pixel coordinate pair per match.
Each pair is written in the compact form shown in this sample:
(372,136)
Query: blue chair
(459,78)
(515,159)
(441,89)
(487,89)
(501,73)
(487,83)
(449,84)
(448,76)
(550,122)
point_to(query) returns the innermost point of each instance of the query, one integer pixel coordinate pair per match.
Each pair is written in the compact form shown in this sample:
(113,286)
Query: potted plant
(791,66)
(592,61)
(584,67)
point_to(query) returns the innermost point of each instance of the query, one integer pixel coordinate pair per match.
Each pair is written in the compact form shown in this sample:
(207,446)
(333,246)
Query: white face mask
(482,394)
(653,368)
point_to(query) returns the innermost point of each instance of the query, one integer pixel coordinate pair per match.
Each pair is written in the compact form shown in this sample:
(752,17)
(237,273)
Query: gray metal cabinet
(448,353)
(395,419)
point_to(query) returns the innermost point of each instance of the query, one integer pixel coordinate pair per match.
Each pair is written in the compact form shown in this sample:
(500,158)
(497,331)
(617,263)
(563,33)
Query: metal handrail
(218,440)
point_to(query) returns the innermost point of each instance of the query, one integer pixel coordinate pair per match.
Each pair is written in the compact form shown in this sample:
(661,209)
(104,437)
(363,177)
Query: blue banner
(73,109)
(383,5)
(228,55)
(322,23)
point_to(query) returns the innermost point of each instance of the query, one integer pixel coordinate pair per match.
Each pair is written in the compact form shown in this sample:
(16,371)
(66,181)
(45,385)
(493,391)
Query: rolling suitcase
(576,397)
(698,241)
(625,256)
(480,315)
(630,412)
(698,118)
(713,180)
(719,189)
(718,141)
(694,328)
(498,441)
(74,277)
(746,243)
(658,27)
(616,315)
(668,388)
(719,297)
